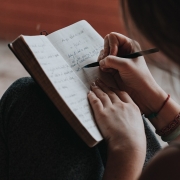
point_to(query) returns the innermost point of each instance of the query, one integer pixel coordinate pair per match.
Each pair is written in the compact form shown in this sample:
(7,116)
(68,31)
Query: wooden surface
(30,17)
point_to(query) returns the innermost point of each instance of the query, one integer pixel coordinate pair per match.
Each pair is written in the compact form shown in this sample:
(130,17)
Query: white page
(66,82)
(80,44)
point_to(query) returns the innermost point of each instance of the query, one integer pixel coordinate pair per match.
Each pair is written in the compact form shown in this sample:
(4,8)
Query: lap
(36,141)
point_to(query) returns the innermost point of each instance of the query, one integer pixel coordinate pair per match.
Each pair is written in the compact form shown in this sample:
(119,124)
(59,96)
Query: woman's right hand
(131,75)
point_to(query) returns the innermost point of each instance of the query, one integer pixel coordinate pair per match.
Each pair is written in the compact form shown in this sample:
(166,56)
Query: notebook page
(80,44)
(65,81)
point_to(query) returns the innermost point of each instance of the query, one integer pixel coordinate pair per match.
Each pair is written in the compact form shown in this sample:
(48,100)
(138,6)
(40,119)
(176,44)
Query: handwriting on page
(79,45)
(63,78)
(77,48)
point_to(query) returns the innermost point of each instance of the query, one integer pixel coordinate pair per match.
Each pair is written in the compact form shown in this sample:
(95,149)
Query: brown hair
(159,22)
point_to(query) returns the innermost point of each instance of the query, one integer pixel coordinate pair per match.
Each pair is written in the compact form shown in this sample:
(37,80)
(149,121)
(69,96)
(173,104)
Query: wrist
(124,163)
(150,98)
(131,146)
(155,97)
(168,113)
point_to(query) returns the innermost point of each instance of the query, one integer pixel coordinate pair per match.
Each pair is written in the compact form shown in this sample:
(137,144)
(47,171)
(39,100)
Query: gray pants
(36,142)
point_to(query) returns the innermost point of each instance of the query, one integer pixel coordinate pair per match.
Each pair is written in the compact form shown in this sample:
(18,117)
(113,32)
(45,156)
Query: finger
(135,46)
(124,44)
(101,55)
(112,96)
(104,98)
(114,62)
(109,70)
(95,102)
(106,46)
(113,44)
(123,96)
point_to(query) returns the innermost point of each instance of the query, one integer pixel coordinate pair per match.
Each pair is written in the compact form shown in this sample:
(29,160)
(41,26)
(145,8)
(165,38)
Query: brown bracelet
(170,127)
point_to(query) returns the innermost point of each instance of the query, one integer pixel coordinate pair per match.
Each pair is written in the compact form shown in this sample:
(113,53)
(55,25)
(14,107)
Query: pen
(133,55)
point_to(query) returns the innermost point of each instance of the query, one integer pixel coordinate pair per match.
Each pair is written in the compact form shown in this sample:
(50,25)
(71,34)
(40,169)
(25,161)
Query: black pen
(133,55)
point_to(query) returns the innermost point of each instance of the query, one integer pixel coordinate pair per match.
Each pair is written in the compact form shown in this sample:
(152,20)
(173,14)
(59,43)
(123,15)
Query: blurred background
(30,17)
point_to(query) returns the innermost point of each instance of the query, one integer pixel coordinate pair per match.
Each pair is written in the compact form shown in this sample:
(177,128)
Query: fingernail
(90,92)
(102,55)
(98,80)
(101,63)
(93,84)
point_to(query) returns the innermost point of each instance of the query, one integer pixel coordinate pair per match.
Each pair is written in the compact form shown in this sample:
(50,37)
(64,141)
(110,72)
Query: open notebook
(55,62)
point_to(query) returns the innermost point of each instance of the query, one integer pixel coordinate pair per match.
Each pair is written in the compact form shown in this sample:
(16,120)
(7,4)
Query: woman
(151,18)
(37,143)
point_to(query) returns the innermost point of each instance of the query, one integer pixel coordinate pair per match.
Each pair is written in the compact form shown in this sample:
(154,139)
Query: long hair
(159,22)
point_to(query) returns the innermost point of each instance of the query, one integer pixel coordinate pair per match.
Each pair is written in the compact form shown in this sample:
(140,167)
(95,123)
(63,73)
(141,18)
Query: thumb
(114,62)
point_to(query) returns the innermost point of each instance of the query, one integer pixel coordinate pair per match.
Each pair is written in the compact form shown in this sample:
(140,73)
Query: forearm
(124,163)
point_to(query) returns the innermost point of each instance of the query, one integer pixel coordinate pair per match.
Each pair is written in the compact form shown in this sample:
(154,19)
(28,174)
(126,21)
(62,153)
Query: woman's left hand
(117,116)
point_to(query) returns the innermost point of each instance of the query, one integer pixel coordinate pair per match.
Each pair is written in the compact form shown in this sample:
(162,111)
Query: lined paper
(64,79)
(80,44)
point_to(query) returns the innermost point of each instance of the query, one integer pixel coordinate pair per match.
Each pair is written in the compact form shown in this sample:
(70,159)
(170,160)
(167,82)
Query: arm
(120,122)
(134,77)
(124,163)
(165,165)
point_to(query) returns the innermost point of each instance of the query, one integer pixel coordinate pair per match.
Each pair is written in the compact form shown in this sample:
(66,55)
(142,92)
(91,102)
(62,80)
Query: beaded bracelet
(153,115)
(173,135)
(170,127)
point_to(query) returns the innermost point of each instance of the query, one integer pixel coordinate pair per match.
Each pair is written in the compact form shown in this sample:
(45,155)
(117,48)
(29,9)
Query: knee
(21,88)
(14,98)
(21,100)
(21,92)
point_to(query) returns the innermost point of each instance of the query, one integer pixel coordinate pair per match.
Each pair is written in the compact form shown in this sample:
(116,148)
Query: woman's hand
(120,122)
(117,116)
(131,75)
